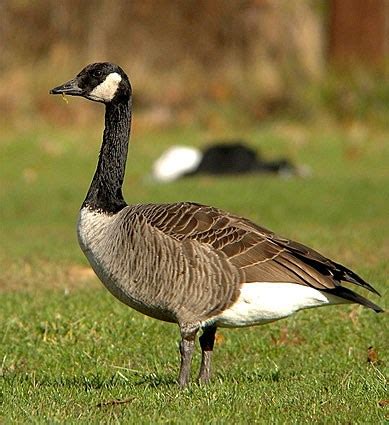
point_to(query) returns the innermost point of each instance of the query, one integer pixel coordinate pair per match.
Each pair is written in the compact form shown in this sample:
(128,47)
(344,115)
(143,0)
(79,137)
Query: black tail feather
(336,270)
(350,276)
(349,295)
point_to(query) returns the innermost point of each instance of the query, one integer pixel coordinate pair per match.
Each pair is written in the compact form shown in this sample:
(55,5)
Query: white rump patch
(263,302)
(175,162)
(106,90)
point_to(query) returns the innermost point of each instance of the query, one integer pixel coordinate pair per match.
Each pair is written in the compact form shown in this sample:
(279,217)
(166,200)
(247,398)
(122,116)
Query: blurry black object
(236,158)
(220,158)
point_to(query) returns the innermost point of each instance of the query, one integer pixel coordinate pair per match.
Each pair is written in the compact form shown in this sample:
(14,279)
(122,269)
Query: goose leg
(207,340)
(188,336)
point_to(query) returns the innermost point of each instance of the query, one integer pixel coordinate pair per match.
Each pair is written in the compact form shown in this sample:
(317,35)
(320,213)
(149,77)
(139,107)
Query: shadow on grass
(154,380)
(91,382)
(251,377)
(101,381)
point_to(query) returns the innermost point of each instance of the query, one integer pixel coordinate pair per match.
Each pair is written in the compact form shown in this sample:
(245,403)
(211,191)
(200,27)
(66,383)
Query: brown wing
(260,254)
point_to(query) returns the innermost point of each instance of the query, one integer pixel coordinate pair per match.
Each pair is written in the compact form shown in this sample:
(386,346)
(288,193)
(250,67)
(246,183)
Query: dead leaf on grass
(114,402)
(287,338)
(354,315)
(372,356)
(383,403)
(219,338)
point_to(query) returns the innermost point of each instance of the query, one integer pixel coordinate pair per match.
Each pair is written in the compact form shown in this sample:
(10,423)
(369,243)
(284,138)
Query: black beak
(71,88)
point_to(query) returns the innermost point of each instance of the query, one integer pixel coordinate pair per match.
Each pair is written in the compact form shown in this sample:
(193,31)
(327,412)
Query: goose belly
(99,242)
(264,302)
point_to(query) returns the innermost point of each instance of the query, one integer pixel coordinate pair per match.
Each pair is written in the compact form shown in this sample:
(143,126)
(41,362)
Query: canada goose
(187,263)
(220,158)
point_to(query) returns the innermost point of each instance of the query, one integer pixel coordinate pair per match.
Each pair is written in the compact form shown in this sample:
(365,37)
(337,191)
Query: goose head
(102,82)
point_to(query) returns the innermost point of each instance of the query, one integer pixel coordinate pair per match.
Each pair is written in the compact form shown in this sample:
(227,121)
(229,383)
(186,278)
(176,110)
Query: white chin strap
(106,90)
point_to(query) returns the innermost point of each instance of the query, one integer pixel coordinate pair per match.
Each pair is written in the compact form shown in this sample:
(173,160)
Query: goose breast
(174,280)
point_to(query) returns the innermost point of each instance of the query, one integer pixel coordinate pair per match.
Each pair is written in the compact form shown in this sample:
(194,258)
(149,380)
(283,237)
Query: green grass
(66,345)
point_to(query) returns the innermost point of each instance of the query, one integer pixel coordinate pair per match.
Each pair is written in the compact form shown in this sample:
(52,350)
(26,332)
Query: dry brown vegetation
(178,53)
(262,57)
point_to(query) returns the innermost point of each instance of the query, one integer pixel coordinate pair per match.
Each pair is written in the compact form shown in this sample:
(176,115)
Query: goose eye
(97,73)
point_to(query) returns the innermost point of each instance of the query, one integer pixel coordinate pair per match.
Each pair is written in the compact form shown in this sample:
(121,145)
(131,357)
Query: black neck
(105,192)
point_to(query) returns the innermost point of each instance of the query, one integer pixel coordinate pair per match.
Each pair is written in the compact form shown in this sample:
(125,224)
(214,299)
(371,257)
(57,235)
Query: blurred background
(202,61)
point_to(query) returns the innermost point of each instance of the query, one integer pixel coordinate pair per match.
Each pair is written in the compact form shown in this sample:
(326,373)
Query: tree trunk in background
(359,31)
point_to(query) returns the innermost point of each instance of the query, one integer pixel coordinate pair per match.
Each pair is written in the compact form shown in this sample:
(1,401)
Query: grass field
(69,349)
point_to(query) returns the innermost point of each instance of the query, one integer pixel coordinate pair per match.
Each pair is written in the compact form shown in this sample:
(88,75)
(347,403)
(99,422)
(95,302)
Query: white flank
(175,162)
(263,302)
(106,90)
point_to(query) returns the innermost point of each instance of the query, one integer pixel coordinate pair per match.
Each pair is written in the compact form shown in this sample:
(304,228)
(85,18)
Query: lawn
(71,352)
